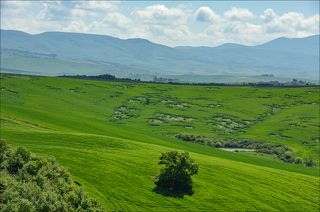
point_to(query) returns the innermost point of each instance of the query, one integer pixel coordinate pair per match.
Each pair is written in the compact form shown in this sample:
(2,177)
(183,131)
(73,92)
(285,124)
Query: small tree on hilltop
(175,176)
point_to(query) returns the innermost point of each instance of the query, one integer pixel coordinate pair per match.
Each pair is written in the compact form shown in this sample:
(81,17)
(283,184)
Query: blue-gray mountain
(56,53)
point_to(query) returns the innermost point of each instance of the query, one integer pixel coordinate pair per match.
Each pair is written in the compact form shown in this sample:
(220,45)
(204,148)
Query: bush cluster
(31,183)
(282,152)
(200,140)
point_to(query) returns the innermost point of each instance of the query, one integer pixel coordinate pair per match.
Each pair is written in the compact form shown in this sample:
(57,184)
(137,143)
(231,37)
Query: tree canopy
(31,183)
(175,176)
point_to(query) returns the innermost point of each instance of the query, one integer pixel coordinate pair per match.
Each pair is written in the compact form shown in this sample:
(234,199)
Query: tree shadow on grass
(171,193)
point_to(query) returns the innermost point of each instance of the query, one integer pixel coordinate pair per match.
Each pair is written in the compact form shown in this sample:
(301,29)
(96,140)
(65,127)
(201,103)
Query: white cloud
(76,26)
(162,24)
(77,12)
(312,23)
(97,5)
(268,15)
(117,20)
(179,25)
(291,24)
(237,13)
(114,23)
(160,14)
(205,14)
(170,34)
(52,11)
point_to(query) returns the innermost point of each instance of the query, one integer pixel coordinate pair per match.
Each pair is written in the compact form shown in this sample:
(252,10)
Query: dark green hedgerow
(30,183)
(280,150)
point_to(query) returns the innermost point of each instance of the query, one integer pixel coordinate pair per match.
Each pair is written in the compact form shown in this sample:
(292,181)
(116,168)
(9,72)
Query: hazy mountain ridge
(282,57)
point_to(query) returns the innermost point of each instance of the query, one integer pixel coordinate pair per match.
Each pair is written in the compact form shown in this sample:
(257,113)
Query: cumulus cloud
(97,5)
(205,14)
(160,14)
(165,25)
(238,13)
(292,24)
(268,15)
(115,23)
(179,25)
(53,11)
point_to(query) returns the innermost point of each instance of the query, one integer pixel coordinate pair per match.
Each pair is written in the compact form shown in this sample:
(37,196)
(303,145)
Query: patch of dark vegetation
(295,124)
(311,92)
(228,124)
(93,85)
(103,77)
(175,177)
(164,80)
(143,100)
(272,109)
(215,105)
(289,96)
(123,112)
(76,182)
(279,134)
(8,90)
(293,83)
(316,139)
(175,103)
(124,86)
(116,94)
(265,96)
(77,90)
(281,151)
(200,98)
(173,118)
(306,118)
(53,88)
(31,183)
(155,122)
(199,140)
(213,88)
(309,162)
(162,118)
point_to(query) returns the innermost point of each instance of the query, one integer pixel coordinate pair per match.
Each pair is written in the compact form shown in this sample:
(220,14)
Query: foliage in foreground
(175,176)
(30,183)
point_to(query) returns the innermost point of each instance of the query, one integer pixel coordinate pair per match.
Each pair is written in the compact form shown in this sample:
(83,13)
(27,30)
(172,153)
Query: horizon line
(133,38)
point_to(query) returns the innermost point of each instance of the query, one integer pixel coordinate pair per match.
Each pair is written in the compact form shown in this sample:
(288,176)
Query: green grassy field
(110,135)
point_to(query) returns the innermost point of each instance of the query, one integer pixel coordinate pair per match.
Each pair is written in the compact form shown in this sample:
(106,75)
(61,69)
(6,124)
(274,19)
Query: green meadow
(109,136)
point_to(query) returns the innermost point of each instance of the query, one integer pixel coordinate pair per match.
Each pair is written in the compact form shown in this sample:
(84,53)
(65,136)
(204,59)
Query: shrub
(287,158)
(176,174)
(298,161)
(30,183)
(309,162)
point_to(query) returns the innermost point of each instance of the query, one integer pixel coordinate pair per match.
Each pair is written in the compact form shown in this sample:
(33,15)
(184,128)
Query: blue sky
(306,7)
(173,23)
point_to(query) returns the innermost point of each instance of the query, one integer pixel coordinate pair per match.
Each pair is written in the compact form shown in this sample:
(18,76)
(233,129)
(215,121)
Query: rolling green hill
(109,135)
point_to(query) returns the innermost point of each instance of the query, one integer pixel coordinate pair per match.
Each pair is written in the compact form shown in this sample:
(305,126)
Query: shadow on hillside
(170,193)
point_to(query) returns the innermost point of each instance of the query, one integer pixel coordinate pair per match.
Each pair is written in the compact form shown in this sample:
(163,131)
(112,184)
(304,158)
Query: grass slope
(105,134)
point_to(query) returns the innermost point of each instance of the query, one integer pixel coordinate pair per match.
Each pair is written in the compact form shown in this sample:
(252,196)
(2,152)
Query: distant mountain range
(58,53)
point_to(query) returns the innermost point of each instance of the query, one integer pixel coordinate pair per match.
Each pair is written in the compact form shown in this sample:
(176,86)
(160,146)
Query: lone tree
(175,176)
